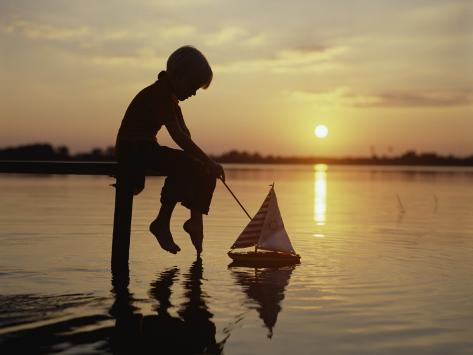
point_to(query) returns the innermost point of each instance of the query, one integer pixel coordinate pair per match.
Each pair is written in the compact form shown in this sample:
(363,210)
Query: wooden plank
(58,167)
(122,225)
(63,167)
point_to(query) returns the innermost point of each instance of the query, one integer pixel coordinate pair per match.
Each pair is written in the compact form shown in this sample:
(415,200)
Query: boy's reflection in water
(192,332)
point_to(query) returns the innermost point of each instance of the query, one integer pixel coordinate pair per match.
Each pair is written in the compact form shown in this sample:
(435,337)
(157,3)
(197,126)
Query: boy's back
(148,112)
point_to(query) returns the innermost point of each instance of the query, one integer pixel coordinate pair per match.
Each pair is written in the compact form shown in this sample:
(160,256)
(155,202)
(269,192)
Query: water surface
(386,267)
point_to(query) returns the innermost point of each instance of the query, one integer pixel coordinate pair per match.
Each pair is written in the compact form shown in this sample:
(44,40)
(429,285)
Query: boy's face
(184,87)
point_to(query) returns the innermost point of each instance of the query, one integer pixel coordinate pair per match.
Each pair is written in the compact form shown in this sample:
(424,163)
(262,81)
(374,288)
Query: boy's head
(188,71)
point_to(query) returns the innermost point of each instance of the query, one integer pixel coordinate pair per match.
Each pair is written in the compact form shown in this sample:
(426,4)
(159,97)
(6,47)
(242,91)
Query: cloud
(233,35)
(108,46)
(176,31)
(344,96)
(225,35)
(449,18)
(144,58)
(182,4)
(46,31)
(337,97)
(430,98)
(38,30)
(289,60)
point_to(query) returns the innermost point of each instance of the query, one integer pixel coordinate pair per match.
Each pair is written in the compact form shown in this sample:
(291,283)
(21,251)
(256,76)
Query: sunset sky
(395,75)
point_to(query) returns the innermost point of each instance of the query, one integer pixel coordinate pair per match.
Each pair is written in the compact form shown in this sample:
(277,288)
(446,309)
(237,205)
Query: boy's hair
(190,61)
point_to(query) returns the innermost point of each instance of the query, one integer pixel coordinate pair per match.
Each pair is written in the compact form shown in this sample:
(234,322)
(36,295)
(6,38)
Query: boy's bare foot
(164,237)
(196,233)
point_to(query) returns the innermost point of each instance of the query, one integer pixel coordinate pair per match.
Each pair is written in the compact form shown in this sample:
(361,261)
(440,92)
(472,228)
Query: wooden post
(122,223)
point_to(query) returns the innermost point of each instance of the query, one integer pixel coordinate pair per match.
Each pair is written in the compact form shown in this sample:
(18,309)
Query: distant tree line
(46,152)
(408,158)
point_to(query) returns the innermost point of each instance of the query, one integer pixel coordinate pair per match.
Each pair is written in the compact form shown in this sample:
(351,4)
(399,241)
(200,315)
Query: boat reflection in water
(190,333)
(264,288)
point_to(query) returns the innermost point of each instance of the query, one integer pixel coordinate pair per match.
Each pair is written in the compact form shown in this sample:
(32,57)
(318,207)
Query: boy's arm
(182,123)
(185,142)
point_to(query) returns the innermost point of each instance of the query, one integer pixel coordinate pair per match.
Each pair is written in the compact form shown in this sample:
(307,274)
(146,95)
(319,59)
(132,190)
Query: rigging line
(243,208)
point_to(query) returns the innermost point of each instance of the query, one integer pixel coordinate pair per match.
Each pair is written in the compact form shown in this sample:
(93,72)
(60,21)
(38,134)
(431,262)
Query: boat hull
(263,258)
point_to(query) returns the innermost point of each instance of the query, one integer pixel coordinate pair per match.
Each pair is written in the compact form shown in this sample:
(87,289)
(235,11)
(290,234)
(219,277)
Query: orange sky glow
(392,75)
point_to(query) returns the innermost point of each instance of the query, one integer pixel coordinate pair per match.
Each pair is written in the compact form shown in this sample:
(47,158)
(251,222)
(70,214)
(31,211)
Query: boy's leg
(194,188)
(160,228)
(195,227)
(133,159)
(187,182)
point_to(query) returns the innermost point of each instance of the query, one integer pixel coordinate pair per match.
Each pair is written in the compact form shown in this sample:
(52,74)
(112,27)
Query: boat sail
(265,232)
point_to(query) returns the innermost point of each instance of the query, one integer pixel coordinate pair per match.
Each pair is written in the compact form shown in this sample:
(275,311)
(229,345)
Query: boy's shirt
(151,108)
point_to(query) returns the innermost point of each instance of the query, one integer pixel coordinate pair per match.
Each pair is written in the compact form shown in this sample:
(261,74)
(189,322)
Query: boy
(190,173)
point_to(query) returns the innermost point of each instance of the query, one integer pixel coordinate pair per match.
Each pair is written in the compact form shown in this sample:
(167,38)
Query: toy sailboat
(267,234)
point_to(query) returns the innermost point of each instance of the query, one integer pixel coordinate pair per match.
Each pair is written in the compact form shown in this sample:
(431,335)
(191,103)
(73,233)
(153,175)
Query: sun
(321,131)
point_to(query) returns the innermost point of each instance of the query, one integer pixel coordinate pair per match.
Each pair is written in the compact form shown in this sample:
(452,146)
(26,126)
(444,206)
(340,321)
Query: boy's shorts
(187,179)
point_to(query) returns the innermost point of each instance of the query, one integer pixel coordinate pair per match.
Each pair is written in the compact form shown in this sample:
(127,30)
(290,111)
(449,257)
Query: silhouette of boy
(190,174)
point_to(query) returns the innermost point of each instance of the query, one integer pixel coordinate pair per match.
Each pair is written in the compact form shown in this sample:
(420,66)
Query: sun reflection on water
(320,195)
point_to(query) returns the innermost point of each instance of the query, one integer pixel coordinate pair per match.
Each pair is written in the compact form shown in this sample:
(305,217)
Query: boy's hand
(217,170)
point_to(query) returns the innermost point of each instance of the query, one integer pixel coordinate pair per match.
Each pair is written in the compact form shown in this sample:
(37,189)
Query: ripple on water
(371,280)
